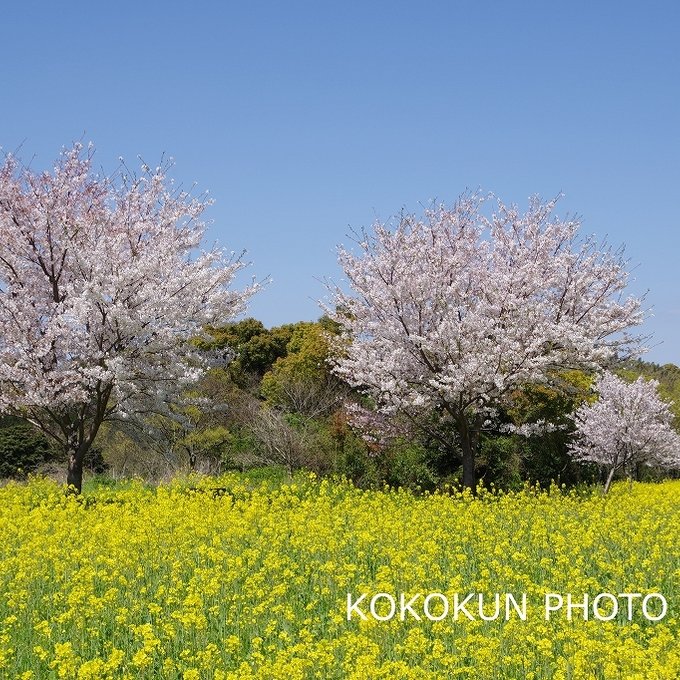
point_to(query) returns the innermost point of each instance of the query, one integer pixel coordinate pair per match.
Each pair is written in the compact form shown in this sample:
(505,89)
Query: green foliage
(94,461)
(304,360)
(552,402)
(510,460)
(240,448)
(255,348)
(403,463)
(278,396)
(274,475)
(351,456)
(407,464)
(22,448)
(210,443)
(301,381)
(501,461)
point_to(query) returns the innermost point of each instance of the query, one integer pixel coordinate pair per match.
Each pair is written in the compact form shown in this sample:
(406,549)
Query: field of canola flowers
(251,582)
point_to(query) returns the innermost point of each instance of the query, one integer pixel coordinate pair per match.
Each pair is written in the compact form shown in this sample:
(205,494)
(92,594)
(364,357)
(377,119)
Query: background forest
(271,400)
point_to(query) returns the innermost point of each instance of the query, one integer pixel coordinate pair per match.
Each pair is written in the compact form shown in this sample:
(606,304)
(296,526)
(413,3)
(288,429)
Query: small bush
(23,449)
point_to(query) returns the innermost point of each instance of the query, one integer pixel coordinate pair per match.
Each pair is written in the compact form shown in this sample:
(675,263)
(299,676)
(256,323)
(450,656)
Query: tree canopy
(102,284)
(627,425)
(451,312)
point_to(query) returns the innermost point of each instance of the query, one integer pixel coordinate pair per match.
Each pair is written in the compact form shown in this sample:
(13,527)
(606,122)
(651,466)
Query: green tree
(300,381)
(254,347)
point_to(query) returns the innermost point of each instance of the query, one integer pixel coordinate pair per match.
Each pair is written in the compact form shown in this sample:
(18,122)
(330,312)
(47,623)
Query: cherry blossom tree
(627,425)
(102,285)
(448,313)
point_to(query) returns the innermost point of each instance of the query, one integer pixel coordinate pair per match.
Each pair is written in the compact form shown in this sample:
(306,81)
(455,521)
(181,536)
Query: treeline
(271,399)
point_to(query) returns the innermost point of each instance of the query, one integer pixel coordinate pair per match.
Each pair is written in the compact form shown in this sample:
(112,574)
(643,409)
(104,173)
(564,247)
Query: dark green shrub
(94,461)
(407,464)
(23,448)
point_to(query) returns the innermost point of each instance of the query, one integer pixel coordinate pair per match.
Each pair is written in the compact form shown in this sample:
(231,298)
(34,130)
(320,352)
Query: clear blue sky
(304,119)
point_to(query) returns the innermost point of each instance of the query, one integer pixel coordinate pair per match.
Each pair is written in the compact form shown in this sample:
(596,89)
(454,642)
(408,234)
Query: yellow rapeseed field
(259,581)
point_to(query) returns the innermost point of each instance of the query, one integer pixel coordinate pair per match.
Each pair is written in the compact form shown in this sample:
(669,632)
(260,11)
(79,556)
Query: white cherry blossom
(449,312)
(627,425)
(102,283)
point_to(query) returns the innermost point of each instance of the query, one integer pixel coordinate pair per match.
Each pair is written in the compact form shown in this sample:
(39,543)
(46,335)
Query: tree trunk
(469,478)
(74,476)
(610,477)
(79,434)
(468,441)
(615,466)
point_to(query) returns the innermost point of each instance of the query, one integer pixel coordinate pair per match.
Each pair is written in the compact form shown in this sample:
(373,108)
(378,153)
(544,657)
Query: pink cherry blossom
(629,424)
(448,313)
(102,283)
